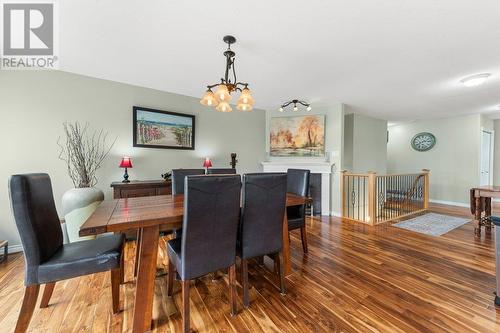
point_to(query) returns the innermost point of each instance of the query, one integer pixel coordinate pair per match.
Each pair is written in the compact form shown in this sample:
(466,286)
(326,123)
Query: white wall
(365,144)
(334,128)
(33,106)
(453,162)
(347,151)
(496,153)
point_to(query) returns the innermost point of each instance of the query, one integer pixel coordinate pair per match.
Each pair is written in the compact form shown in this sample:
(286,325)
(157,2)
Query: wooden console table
(141,188)
(481,202)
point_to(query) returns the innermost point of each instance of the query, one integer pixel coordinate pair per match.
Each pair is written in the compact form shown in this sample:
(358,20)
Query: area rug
(432,224)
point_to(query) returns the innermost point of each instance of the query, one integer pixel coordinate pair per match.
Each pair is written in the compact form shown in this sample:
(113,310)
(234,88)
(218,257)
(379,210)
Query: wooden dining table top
(490,188)
(119,215)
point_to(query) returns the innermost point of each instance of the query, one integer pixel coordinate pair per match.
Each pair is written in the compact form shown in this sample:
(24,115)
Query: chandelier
(295,108)
(220,100)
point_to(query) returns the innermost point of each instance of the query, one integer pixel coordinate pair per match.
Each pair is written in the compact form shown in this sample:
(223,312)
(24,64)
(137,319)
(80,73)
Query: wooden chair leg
(170,278)
(244,278)
(185,306)
(303,235)
(47,293)
(29,303)
(115,289)
(281,273)
(232,289)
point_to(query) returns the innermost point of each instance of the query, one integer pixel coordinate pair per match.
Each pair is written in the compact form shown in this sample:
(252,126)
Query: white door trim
(492,151)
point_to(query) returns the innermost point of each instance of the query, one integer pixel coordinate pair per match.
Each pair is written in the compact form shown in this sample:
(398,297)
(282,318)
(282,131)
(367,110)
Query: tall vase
(77,206)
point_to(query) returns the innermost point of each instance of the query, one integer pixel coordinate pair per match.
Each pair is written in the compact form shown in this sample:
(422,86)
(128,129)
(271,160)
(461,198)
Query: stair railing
(373,199)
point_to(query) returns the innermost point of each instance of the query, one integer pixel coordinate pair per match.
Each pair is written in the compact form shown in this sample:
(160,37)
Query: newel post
(426,188)
(372,197)
(342,193)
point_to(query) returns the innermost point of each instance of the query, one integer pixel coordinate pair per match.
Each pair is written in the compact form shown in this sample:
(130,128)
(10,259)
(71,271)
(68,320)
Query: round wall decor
(423,141)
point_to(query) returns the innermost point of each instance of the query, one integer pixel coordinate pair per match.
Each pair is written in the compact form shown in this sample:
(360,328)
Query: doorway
(486,162)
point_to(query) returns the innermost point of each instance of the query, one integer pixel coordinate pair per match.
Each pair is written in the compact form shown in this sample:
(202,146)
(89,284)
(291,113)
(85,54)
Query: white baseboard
(450,203)
(15,248)
(336,214)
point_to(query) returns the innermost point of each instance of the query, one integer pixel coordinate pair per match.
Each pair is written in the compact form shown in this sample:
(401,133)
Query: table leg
(488,214)
(287,265)
(143,307)
(477,217)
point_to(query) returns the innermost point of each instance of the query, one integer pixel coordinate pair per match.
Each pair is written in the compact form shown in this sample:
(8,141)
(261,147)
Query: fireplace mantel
(321,167)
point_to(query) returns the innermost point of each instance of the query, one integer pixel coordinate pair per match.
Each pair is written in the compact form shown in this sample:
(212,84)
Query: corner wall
(453,162)
(365,144)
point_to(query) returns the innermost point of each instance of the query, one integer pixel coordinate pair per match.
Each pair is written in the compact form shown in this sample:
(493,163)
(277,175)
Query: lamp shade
(209,99)
(222,94)
(244,107)
(207,163)
(224,107)
(245,97)
(126,162)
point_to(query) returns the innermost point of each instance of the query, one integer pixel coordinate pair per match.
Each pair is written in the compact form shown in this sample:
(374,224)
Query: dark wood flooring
(354,279)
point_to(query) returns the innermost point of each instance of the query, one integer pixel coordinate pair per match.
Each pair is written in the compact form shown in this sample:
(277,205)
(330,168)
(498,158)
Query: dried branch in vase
(83,152)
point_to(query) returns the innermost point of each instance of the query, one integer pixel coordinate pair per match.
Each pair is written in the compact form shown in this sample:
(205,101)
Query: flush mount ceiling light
(295,108)
(220,100)
(475,80)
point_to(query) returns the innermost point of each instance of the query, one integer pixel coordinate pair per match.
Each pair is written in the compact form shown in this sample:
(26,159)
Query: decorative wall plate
(423,141)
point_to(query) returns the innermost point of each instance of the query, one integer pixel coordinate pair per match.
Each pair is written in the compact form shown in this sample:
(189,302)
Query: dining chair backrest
(298,181)
(178,176)
(221,171)
(261,224)
(36,219)
(211,215)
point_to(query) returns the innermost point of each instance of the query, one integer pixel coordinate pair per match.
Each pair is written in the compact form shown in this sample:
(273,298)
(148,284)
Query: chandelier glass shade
(224,107)
(295,107)
(209,99)
(222,96)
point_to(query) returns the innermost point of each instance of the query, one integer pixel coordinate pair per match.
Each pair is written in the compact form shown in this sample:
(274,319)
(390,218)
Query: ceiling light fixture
(475,80)
(220,100)
(295,107)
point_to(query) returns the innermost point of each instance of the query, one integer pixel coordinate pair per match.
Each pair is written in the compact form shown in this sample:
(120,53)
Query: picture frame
(297,136)
(154,128)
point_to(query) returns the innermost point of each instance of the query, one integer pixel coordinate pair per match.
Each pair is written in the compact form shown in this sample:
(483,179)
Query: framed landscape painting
(302,136)
(163,129)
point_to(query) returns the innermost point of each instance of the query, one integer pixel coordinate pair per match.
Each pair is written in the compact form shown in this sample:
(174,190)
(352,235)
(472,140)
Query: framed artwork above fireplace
(297,136)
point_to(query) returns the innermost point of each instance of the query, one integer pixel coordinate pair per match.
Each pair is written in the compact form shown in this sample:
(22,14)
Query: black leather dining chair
(298,183)
(47,259)
(221,171)
(208,242)
(260,230)
(178,176)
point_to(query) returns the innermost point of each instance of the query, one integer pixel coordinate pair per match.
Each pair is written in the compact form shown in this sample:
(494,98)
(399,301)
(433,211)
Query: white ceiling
(393,59)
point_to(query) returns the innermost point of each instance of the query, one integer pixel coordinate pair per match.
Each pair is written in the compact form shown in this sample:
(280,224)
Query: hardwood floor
(354,279)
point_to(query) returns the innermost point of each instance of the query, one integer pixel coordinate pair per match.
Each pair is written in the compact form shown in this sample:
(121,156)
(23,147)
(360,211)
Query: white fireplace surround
(321,167)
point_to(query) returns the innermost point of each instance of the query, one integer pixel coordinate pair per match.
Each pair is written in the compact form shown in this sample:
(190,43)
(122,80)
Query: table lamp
(126,163)
(207,164)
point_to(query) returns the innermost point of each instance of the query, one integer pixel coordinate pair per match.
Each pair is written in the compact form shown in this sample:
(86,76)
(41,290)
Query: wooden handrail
(374,198)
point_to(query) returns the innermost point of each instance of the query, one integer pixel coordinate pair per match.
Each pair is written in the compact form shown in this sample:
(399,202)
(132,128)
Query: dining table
(480,205)
(150,215)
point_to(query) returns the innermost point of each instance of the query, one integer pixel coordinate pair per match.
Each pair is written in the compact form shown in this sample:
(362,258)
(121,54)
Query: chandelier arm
(234,71)
(213,85)
(228,67)
(303,103)
(284,105)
